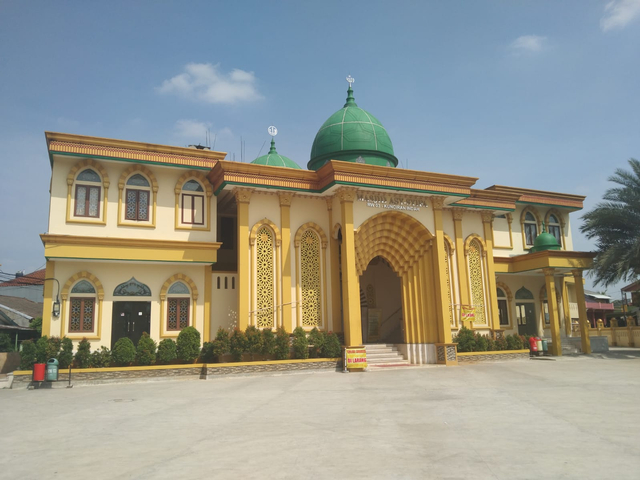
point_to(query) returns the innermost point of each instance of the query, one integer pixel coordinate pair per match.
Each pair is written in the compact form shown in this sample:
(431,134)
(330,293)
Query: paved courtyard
(577,417)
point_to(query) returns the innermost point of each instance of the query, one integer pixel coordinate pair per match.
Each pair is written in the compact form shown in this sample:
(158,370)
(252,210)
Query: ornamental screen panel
(81,315)
(177,313)
(310,279)
(264,278)
(447,275)
(132,288)
(476,282)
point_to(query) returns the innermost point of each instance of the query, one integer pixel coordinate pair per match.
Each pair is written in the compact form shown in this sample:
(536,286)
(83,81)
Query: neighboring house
(153,238)
(20,310)
(598,305)
(29,286)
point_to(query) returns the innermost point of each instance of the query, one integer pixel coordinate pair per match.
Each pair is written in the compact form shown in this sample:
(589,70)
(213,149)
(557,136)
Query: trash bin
(38,372)
(545,346)
(52,370)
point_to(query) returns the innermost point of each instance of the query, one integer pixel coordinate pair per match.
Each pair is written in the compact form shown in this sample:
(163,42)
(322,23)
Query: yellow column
(243,197)
(582,311)
(350,281)
(440,280)
(565,307)
(285,225)
(335,273)
(206,334)
(463,280)
(49,297)
(487,222)
(552,301)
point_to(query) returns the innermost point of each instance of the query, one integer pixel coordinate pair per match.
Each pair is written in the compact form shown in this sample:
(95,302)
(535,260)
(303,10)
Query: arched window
(82,308)
(178,306)
(553,227)
(476,280)
(192,204)
(137,198)
(81,311)
(87,195)
(530,228)
(503,308)
(265,278)
(178,297)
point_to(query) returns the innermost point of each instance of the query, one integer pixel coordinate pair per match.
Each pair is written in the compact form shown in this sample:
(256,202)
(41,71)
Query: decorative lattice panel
(475,276)
(264,278)
(143,205)
(81,200)
(131,204)
(94,200)
(178,313)
(310,278)
(81,315)
(371,296)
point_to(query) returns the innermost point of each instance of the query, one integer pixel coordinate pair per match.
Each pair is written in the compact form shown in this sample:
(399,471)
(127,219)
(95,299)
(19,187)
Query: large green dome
(353,135)
(274,159)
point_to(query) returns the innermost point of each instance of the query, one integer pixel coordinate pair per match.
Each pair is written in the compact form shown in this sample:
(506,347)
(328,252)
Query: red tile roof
(33,278)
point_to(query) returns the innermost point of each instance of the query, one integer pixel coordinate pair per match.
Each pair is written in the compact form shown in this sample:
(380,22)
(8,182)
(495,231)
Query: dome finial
(351,102)
(273,146)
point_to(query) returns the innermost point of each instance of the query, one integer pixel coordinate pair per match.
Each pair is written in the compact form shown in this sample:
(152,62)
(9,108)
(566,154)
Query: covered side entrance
(130,319)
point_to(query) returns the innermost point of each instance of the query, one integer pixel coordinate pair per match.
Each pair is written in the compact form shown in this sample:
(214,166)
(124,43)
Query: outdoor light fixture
(56,304)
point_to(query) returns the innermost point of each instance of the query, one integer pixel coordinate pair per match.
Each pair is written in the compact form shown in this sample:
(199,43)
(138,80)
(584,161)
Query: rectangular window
(178,313)
(81,315)
(555,231)
(137,205)
(530,232)
(192,209)
(87,201)
(503,312)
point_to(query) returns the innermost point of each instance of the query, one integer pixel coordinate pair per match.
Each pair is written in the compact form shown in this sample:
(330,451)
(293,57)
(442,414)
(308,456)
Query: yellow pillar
(206,334)
(582,311)
(285,225)
(350,280)
(440,255)
(49,297)
(243,197)
(463,280)
(487,222)
(335,273)
(552,301)
(565,307)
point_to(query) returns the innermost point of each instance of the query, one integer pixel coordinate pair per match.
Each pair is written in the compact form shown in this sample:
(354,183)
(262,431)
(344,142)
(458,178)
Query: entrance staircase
(384,355)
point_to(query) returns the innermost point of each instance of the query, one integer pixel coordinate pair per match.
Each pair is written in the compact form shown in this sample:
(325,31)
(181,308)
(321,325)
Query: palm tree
(615,224)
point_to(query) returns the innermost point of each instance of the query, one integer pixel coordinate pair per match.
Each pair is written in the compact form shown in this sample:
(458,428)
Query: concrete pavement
(574,418)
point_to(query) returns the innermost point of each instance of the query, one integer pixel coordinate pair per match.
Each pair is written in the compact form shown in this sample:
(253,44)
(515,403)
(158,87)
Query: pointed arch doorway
(405,247)
(381,289)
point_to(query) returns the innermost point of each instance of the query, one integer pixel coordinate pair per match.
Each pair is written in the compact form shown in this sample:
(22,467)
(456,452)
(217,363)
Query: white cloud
(205,82)
(528,44)
(191,129)
(619,13)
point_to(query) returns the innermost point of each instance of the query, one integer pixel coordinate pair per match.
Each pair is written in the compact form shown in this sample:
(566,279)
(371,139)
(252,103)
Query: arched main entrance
(381,290)
(405,244)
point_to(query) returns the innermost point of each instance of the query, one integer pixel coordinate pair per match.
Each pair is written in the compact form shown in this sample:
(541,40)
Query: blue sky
(538,94)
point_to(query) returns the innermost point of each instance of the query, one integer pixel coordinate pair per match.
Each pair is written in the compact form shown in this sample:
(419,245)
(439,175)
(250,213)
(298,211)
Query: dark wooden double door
(130,319)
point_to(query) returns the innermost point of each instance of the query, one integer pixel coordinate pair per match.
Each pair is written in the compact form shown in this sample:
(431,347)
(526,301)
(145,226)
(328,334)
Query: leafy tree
(27,355)
(615,225)
(36,324)
(5,343)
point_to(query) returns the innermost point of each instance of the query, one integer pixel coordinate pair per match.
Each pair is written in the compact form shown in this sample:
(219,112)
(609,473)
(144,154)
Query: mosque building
(153,238)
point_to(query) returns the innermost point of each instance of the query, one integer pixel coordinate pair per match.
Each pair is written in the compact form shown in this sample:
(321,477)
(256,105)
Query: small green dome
(353,135)
(545,241)
(274,159)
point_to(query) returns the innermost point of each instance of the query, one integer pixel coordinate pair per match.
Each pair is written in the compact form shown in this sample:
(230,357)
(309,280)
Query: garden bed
(96,376)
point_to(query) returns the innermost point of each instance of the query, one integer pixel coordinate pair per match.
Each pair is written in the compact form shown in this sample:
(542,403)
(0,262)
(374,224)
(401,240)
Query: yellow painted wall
(264,205)
(361,212)
(501,237)
(224,302)
(167,178)
(113,274)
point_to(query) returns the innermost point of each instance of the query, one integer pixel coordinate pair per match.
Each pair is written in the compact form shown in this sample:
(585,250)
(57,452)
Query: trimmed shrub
(83,355)
(41,349)
(331,347)
(124,352)
(100,358)
(268,342)
(237,344)
(27,355)
(66,354)
(206,354)
(254,340)
(501,344)
(5,343)
(167,351)
(52,349)
(283,348)
(465,339)
(316,342)
(514,342)
(219,348)
(146,350)
(300,343)
(491,344)
(222,336)
(188,344)
(481,342)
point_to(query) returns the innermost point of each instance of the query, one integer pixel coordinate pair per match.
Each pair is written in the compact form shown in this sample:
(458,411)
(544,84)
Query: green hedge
(473,341)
